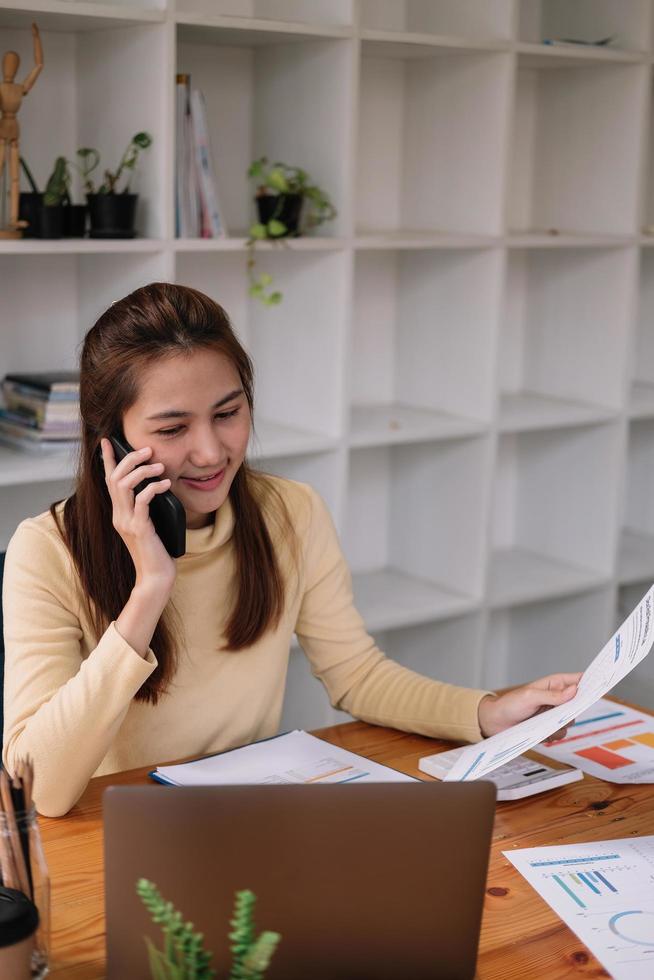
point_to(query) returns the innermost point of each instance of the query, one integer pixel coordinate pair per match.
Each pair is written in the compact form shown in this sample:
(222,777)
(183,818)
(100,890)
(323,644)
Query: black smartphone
(166,511)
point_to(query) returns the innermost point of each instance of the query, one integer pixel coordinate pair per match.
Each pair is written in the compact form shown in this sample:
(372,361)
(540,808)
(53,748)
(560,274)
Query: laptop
(373,882)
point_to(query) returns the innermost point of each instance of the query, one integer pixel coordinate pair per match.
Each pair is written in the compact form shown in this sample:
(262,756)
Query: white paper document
(610,741)
(605,893)
(624,651)
(293,758)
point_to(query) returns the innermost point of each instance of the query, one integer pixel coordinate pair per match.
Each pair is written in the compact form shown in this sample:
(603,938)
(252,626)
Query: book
(48,382)
(187,205)
(515,780)
(29,432)
(213,224)
(294,757)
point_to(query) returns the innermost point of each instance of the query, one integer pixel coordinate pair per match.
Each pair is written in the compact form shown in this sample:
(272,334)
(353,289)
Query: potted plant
(288,203)
(112,210)
(54,196)
(184,957)
(30,204)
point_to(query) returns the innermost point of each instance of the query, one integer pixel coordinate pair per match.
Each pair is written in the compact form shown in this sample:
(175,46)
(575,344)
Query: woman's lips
(205,485)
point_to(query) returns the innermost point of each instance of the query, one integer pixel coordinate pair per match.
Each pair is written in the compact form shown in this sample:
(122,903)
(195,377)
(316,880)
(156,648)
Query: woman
(117,655)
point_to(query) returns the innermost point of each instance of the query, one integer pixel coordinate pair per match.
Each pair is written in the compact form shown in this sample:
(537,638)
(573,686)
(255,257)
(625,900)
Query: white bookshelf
(463,363)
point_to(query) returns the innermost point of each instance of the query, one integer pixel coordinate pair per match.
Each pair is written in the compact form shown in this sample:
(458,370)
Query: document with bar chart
(624,651)
(609,741)
(605,893)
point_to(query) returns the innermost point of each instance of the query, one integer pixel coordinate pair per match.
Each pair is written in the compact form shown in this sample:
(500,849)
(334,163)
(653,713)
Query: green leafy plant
(280,182)
(183,956)
(90,158)
(56,189)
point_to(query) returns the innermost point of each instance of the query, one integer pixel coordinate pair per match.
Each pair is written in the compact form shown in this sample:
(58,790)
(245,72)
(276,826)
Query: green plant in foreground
(183,956)
(279,180)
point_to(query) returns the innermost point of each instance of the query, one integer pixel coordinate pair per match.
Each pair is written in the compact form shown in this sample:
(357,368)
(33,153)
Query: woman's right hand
(155,569)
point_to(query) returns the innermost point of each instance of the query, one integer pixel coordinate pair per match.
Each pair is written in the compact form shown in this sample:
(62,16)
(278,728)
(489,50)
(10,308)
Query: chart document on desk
(605,893)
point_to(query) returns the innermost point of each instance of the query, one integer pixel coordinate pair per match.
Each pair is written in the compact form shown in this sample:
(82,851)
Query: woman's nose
(207,449)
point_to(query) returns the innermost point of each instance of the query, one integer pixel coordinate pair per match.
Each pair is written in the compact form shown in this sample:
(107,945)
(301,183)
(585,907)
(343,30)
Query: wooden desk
(520,936)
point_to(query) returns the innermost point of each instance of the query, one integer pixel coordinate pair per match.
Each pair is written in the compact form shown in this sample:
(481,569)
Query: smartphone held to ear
(166,511)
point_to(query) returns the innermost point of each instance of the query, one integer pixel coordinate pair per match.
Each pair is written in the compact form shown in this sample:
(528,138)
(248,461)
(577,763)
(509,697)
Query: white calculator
(514,780)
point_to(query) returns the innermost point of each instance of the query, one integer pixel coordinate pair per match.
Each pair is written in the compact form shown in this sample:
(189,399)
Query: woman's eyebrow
(176,413)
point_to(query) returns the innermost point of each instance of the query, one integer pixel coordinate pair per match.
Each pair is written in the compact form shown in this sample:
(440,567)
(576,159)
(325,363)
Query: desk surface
(520,933)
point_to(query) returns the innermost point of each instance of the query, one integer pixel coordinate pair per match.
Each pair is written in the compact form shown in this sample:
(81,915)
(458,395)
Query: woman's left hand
(497,712)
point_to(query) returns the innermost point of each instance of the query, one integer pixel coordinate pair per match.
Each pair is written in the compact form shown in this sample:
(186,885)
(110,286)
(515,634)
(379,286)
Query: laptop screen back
(383,881)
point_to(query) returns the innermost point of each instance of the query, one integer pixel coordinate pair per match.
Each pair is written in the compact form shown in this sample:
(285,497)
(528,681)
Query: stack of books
(197,209)
(41,410)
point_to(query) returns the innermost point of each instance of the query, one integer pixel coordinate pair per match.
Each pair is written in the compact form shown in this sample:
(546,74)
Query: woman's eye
(171,432)
(226,415)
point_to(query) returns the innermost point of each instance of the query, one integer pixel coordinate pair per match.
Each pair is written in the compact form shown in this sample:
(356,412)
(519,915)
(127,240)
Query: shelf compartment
(530,641)
(413,239)
(248,89)
(555,498)
(23,467)
(641,401)
(545,239)
(380,425)
(419,511)
(525,411)
(463,20)
(86,65)
(574,130)
(239,244)
(269,15)
(554,56)
(587,20)
(271,439)
(417,119)
(566,315)
(405,45)
(638,516)
(61,15)
(255,33)
(448,650)
(424,332)
(516,577)
(81,246)
(322,470)
(388,598)
(635,557)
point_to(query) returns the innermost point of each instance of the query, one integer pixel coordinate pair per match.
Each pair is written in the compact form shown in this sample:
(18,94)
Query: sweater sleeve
(357,675)
(61,708)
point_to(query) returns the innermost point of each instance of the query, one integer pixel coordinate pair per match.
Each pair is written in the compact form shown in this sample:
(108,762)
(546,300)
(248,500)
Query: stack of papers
(293,758)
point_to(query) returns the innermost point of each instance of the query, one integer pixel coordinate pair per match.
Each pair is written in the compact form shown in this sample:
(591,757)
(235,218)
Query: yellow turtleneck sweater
(69,696)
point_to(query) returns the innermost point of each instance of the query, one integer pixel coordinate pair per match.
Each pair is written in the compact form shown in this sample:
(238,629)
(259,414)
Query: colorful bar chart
(577,884)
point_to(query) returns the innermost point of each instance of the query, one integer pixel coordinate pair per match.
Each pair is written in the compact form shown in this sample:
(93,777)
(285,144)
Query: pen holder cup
(23,867)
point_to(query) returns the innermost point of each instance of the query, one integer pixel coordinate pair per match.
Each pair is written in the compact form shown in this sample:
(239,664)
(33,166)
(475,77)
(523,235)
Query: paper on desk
(604,892)
(610,741)
(295,757)
(624,651)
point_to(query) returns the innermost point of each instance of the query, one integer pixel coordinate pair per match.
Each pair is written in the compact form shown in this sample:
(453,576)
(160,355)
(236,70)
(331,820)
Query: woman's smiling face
(192,410)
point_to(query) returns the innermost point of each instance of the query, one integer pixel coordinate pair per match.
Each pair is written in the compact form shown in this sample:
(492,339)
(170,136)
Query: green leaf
(275,298)
(276,228)
(258,232)
(255,292)
(277,180)
(265,279)
(142,140)
(256,168)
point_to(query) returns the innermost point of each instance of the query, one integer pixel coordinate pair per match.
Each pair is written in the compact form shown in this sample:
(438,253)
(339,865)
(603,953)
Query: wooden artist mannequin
(11,97)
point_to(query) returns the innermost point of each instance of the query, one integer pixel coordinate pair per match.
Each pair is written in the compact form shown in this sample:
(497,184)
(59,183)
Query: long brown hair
(157,321)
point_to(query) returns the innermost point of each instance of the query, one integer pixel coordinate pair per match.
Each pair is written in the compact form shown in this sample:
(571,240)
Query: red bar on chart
(610,760)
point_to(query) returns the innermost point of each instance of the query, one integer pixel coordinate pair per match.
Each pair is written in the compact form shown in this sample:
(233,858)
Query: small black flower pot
(29,209)
(112,215)
(75,220)
(286,208)
(52,221)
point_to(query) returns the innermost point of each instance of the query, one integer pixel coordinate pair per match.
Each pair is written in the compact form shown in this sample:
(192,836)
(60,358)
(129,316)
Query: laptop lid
(383,881)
